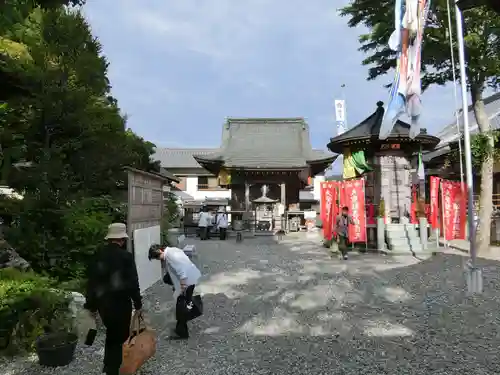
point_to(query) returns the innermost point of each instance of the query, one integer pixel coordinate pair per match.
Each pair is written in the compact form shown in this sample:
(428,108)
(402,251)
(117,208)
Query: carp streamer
(406,39)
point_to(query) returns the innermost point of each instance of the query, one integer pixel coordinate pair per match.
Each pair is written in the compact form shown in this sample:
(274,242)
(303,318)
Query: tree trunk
(483,239)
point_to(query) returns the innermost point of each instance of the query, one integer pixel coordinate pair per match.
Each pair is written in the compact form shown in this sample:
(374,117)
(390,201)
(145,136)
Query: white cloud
(181,64)
(228,30)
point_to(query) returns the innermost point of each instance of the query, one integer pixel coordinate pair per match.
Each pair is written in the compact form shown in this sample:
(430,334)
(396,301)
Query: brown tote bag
(140,346)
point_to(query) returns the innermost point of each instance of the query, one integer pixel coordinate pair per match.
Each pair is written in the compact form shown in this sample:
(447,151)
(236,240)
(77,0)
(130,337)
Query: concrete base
(474,280)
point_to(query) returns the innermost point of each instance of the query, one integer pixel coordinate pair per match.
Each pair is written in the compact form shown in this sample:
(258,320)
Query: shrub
(61,240)
(74,285)
(29,306)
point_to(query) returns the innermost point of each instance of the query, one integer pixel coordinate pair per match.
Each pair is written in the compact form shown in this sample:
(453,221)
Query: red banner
(370,213)
(460,212)
(327,204)
(455,204)
(354,195)
(322,192)
(414,200)
(335,205)
(434,205)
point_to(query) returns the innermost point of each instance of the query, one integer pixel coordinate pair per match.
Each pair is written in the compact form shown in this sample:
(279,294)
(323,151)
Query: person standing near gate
(112,289)
(222,222)
(342,228)
(204,223)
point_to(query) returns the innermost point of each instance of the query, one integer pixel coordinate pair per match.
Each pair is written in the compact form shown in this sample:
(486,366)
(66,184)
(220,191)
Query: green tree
(60,122)
(482,40)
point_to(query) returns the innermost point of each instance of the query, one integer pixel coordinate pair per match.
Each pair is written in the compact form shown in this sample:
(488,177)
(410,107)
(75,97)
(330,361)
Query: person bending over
(184,275)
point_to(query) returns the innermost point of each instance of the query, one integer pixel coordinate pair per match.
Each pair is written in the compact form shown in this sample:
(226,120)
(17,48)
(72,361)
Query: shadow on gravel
(291,309)
(374,320)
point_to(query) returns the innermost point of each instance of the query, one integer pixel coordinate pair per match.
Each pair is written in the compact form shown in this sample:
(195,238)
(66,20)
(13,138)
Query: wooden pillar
(283,194)
(247,196)
(283,224)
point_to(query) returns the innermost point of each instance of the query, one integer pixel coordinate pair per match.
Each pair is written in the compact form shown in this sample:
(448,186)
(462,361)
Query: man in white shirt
(184,275)
(204,222)
(222,223)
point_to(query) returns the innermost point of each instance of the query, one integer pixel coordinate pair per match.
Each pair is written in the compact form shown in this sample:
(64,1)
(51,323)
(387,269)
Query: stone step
(413,235)
(395,242)
(400,226)
(398,238)
(416,248)
(400,251)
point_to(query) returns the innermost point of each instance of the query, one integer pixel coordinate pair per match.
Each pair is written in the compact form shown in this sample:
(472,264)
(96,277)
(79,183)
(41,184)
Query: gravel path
(289,308)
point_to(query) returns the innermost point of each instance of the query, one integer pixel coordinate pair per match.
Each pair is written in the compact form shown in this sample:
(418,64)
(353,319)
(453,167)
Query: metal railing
(210,187)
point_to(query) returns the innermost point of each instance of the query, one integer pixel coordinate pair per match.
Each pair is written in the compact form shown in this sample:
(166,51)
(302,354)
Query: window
(208,183)
(202,182)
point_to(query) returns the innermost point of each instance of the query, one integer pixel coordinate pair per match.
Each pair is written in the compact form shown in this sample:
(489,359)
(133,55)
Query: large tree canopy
(63,138)
(482,42)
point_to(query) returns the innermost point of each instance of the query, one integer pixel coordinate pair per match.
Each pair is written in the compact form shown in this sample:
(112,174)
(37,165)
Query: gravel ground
(289,308)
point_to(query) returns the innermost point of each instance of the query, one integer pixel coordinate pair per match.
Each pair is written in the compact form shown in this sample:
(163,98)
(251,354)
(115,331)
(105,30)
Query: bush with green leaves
(30,305)
(60,240)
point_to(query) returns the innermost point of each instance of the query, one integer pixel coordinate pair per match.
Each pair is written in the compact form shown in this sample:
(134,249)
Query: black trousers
(204,233)
(343,245)
(115,315)
(181,328)
(222,233)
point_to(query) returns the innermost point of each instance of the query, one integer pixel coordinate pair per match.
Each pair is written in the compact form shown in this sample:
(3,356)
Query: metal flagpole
(474,277)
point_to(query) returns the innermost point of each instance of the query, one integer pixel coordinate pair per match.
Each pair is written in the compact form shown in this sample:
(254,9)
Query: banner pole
(366,219)
(437,226)
(442,216)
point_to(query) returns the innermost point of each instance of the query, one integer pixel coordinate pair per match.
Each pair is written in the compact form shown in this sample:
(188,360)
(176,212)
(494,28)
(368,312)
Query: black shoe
(175,336)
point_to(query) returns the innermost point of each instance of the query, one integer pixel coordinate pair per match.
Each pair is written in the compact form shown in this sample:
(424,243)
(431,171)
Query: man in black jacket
(113,285)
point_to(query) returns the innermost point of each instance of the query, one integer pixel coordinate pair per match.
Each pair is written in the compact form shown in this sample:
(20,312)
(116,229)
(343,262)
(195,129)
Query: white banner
(340,110)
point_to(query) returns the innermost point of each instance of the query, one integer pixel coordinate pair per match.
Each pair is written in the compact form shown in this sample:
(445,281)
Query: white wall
(192,189)
(317,186)
(149,272)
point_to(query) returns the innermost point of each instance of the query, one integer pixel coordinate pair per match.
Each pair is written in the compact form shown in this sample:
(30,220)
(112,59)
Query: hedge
(29,306)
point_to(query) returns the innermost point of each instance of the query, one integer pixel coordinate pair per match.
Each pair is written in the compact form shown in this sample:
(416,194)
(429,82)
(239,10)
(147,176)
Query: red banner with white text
(454,199)
(327,205)
(434,205)
(322,201)
(336,188)
(354,195)
(460,212)
(414,200)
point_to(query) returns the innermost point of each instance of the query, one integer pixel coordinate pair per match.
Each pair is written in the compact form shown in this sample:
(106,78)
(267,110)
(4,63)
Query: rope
(457,119)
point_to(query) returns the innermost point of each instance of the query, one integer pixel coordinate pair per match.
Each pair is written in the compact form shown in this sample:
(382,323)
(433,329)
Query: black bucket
(56,349)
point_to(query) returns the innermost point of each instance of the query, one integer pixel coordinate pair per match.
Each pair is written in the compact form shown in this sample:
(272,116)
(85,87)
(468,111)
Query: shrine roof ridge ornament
(367,132)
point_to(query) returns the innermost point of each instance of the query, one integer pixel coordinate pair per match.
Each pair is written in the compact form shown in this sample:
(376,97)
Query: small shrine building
(390,166)
(265,162)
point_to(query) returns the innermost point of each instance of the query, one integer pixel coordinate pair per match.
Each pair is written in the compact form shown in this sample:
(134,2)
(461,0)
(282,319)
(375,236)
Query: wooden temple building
(389,166)
(265,162)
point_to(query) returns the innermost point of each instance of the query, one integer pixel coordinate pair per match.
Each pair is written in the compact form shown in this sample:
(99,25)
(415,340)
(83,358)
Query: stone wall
(10,258)
(394,183)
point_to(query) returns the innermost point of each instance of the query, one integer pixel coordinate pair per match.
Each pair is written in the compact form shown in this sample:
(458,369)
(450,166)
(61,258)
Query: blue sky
(179,67)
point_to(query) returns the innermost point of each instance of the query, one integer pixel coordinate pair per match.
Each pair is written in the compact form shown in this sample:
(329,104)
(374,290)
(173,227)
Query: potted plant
(381,226)
(56,345)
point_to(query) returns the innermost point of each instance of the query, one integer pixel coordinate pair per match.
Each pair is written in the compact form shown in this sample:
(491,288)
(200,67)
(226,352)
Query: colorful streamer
(405,95)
